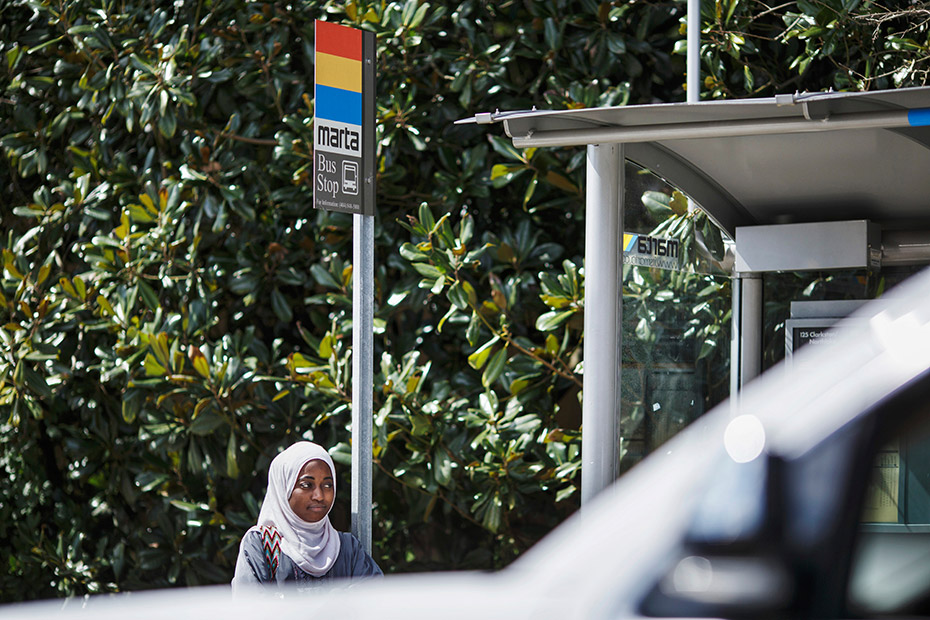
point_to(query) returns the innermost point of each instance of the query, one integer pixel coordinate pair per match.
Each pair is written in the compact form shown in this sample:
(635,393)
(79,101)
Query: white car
(756,510)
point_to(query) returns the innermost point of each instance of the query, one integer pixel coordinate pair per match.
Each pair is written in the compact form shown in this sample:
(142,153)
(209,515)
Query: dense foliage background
(173,312)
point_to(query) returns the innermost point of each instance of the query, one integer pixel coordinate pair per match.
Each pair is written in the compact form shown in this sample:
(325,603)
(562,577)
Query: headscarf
(314,547)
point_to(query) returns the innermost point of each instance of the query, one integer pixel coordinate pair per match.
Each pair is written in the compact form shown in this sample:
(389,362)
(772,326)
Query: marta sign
(647,251)
(344,120)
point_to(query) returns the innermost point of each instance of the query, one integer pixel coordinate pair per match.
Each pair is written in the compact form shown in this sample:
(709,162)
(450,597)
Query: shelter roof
(789,158)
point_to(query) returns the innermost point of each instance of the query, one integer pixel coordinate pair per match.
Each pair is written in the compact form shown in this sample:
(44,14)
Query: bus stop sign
(344,123)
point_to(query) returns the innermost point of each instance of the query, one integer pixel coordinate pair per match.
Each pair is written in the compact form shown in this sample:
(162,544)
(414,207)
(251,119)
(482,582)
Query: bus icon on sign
(350,177)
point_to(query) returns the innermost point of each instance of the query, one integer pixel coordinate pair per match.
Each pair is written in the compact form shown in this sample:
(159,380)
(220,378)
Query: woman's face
(313,494)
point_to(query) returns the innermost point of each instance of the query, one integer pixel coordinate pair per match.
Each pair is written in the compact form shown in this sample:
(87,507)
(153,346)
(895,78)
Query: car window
(890,573)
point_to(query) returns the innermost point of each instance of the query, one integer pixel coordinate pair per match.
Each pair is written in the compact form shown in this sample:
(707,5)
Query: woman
(294,542)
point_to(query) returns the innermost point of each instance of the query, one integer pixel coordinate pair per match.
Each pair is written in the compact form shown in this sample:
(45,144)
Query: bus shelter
(813,181)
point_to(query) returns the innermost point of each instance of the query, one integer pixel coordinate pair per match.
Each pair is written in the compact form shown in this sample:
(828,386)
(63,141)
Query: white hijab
(314,547)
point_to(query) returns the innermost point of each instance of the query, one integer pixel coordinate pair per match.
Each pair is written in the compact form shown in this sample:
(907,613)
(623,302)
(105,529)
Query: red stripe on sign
(338,40)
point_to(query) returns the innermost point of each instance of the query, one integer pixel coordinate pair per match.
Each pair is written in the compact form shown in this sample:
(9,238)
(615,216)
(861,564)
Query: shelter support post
(603,259)
(363,286)
(746,342)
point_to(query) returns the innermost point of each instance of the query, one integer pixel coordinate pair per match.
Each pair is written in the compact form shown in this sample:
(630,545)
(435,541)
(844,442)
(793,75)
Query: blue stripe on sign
(336,104)
(919,117)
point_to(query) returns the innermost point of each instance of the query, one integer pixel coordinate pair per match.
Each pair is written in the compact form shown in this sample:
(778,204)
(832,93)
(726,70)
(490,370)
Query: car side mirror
(732,563)
(724,586)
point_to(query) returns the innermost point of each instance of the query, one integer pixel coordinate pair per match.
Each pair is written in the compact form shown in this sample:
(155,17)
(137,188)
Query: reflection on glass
(890,571)
(881,501)
(676,315)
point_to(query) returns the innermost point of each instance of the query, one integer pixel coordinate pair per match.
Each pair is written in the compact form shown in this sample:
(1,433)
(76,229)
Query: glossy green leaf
(281,307)
(232,464)
(325,349)
(551,320)
(477,359)
(494,368)
(152,367)
(458,295)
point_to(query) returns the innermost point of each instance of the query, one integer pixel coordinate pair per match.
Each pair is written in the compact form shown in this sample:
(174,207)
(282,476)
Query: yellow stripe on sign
(338,72)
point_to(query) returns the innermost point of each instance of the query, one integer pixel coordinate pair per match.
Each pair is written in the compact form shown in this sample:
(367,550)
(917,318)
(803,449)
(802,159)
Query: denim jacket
(253,571)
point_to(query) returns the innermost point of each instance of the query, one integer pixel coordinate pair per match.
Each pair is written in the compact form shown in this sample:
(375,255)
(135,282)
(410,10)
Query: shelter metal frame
(817,157)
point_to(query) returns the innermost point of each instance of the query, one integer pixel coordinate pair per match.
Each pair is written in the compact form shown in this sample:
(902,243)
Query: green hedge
(172,311)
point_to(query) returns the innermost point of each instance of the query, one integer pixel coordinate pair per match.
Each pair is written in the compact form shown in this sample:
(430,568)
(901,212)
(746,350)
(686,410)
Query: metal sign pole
(693,91)
(363,310)
(363,293)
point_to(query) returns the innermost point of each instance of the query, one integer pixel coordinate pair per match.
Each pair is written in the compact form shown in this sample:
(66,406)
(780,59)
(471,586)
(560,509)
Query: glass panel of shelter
(676,332)
(899,490)
(676,303)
